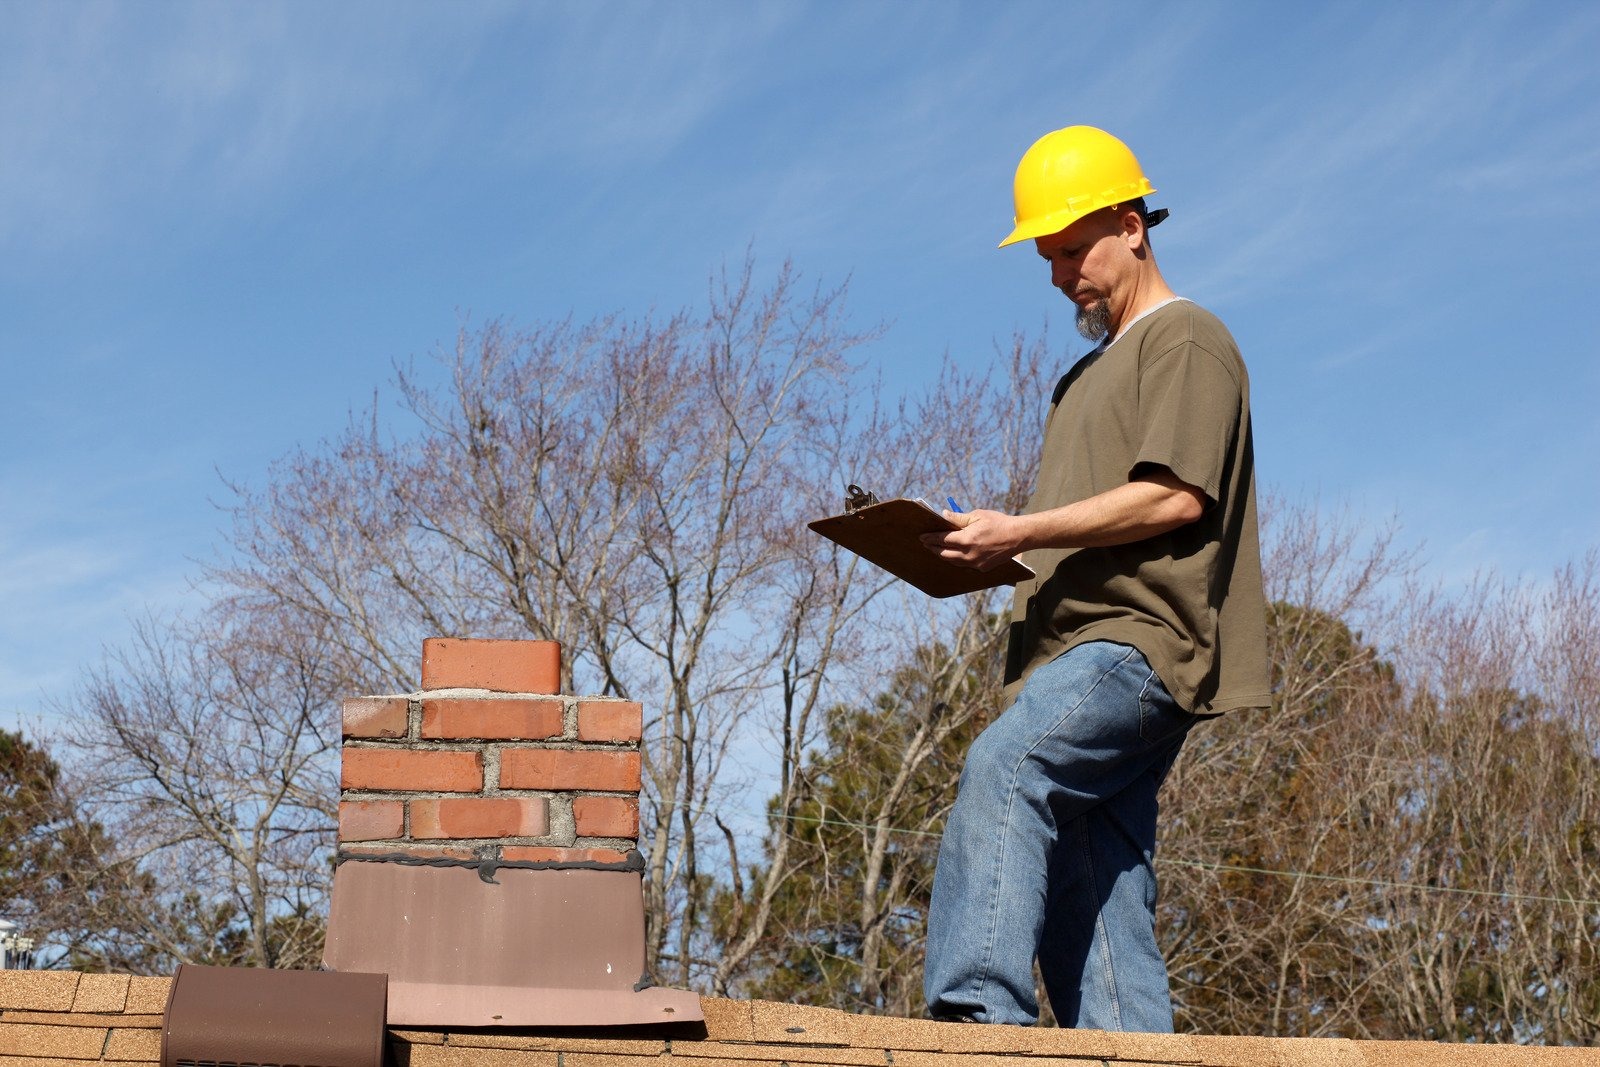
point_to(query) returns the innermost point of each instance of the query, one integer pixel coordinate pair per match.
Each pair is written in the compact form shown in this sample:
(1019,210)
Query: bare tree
(835,910)
(208,751)
(1382,854)
(1496,929)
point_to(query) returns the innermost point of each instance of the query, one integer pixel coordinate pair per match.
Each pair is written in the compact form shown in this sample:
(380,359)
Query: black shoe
(950,1017)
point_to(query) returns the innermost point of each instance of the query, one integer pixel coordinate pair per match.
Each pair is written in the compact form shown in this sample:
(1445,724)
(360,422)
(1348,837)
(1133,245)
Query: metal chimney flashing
(532,948)
(232,1016)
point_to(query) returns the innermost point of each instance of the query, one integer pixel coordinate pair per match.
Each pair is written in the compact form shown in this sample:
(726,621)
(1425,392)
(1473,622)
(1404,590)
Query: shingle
(728,1020)
(451,1056)
(148,996)
(557,1042)
(1441,1054)
(38,990)
(74,1018)
(677,1059)
(699,1051)
(1157,1048)
(71,1042)
(1229,1051)
(1317,1052)
(885,1031)
(776,1023)
(1020,1040)
(38,1061)
(984,1059)
(1409,1054)
(101,992)
(143,1046)
(608,1059)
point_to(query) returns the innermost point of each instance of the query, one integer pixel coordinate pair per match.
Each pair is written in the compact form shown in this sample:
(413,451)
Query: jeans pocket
(1160,718)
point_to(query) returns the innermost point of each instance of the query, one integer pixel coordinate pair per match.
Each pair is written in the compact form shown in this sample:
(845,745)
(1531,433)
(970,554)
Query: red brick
(502,666)
(399,769)
(371,820)
(376,716)
(471,817)
(497,718)
(610,720)
(606,816)
(547,854)
(548,768)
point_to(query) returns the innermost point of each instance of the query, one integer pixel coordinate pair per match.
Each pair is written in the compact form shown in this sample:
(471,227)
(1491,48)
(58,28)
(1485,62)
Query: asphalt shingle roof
(61,1019)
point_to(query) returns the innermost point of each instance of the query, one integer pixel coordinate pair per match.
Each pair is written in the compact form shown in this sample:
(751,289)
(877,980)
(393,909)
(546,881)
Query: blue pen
(953,505)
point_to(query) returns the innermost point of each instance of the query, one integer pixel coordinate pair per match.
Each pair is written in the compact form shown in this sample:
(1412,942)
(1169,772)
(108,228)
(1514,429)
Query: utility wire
(1345,879)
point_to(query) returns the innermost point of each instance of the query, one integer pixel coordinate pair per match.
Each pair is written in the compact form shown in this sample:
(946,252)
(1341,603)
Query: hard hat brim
(1056,221)
(1044,226)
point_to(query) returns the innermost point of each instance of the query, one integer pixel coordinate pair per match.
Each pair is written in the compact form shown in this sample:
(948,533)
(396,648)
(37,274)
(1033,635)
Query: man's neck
(1149,291)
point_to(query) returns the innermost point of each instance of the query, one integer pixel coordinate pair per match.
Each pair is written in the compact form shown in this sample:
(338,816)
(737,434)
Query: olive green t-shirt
(1170,392)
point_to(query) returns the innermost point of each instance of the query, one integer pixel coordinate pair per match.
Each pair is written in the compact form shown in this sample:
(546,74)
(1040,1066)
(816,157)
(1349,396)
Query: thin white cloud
(627,83)
(109,111)
(923,156)
(1310,175)
(64,603)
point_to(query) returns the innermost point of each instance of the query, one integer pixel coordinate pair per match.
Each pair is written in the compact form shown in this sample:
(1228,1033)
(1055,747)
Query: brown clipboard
(889,535)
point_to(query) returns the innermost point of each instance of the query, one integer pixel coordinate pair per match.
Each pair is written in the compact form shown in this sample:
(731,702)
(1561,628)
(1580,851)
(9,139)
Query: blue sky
(221,224)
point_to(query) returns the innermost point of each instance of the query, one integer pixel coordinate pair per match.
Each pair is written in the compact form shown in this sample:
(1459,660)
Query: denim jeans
(1048,851)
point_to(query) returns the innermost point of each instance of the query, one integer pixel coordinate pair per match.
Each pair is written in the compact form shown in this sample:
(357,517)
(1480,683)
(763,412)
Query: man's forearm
(1147,506)
(1132,512)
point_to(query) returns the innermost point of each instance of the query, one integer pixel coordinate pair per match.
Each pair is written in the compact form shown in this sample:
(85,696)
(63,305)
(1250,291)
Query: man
(1146,615)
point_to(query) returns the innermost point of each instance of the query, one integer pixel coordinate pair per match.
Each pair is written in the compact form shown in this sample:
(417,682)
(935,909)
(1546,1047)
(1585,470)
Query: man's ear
(1133,230)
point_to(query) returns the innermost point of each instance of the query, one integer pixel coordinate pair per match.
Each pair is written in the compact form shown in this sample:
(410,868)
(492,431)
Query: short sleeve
(1190,403)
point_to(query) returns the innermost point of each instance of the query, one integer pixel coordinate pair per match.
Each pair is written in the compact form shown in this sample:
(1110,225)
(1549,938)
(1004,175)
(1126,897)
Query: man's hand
(986,539)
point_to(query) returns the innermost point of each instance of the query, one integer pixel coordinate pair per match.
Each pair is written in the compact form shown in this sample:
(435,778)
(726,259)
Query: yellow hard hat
(1069,173)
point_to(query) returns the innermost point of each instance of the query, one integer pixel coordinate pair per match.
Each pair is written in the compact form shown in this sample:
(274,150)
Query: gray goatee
(1094,321)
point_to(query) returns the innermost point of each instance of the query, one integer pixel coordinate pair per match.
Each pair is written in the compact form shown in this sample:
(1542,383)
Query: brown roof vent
(231,1016)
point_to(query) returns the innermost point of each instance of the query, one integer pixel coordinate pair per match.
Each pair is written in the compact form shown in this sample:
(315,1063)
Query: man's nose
(1060,274)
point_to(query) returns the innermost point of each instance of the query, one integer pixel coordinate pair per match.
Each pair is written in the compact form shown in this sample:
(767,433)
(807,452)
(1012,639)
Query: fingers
(974,544)
(947,547)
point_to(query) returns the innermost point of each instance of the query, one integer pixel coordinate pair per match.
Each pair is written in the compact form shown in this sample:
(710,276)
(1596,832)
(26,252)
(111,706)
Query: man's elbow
(1184,505)
(1179,503)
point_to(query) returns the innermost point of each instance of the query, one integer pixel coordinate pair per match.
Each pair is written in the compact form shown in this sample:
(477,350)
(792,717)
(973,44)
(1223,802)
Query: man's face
(1088,261)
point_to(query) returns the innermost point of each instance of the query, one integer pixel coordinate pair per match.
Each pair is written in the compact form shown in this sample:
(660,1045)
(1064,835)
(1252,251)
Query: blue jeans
(1048,852)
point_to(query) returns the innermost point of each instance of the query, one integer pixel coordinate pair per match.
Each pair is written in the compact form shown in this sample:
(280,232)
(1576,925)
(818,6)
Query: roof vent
(233,1016)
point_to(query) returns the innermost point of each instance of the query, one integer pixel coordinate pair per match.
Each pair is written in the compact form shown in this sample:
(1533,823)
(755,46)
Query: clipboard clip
(856,498)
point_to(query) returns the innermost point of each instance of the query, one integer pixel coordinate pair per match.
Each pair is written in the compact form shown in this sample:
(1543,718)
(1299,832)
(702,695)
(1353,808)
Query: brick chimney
(487,833)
